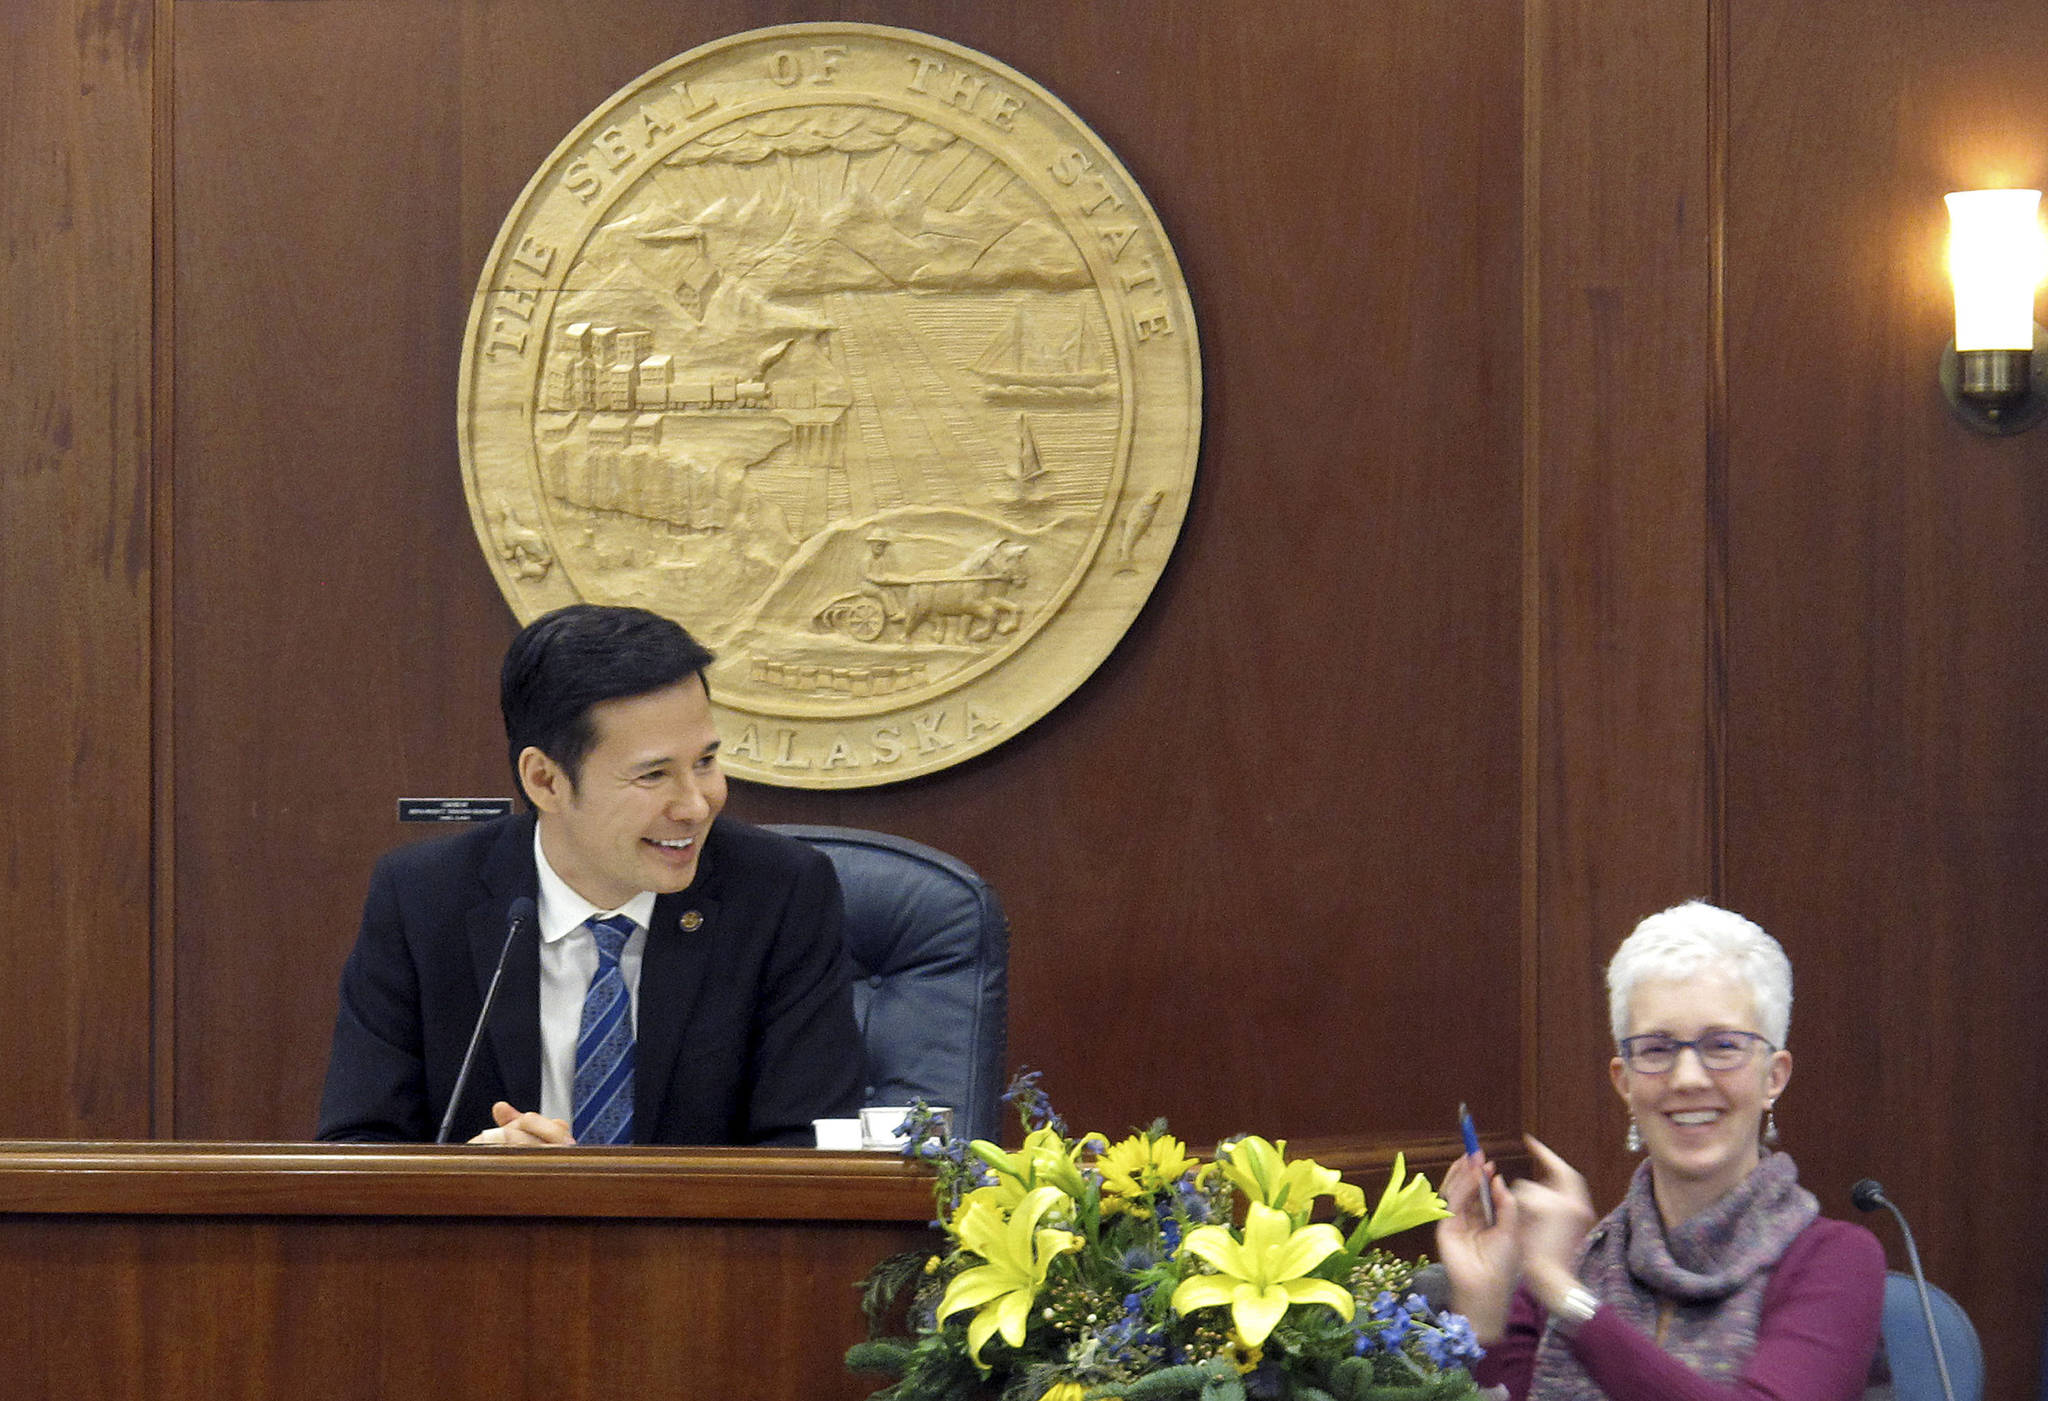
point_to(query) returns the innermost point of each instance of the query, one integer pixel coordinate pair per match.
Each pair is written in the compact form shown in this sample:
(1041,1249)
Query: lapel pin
(691,921)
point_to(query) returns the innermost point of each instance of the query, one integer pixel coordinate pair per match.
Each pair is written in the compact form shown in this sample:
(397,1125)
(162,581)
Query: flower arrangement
(1076,1269)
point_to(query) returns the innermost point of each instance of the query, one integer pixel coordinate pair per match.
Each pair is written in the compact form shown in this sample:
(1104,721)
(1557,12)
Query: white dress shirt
(568,961)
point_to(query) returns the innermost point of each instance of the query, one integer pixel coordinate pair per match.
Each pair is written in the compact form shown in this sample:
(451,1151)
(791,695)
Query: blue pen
(1471,1134)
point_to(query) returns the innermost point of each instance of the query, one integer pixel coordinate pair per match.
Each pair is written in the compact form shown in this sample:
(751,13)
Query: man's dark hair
(564,662)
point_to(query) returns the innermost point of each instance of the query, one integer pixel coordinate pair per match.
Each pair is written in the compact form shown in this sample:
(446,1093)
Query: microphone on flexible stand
(1869,1196)
(520,915)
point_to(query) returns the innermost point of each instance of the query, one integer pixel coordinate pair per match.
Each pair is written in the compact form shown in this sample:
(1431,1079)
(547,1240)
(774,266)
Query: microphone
(521,915)
(1869,1196)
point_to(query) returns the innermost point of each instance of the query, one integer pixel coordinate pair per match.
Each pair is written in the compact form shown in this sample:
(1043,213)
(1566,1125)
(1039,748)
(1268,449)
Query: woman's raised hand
(1554,1211)
(1482,1261)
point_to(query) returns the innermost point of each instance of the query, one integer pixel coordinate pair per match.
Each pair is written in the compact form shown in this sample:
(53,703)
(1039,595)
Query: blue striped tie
(604,1043)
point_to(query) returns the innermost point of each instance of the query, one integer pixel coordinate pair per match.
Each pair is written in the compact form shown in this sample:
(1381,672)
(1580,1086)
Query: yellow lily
(1018,1254)
(1042,1161)
(1004,1196)
(1403,1205)
(1262,1277)
(1140,1167)
(1260,1170)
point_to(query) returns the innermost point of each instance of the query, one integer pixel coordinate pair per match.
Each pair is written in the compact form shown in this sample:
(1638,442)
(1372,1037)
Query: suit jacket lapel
(514,1033)
(671,972)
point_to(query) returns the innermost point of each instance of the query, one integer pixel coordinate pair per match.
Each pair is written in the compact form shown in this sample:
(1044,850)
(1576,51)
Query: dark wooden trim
(362,1179)
(1532,674)
(163,906)
(1715,560)
(349,1179)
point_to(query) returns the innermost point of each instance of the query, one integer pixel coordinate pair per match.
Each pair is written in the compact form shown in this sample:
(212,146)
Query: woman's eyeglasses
(1717,1050)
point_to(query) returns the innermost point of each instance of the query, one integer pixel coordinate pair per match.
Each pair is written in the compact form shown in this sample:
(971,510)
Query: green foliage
(888,1283)
(1171,1382)
(925,1371)
(1358,1379)
(890,1355)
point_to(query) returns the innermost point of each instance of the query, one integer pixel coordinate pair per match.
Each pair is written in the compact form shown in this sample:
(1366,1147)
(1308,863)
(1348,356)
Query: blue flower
(923,1137)
(1191,1202)
(1125,1341)
(1033,1103)
(1452,1342)
(1393,1315)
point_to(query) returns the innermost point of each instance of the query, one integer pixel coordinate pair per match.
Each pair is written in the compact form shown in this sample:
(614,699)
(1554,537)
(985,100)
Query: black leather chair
(930,950)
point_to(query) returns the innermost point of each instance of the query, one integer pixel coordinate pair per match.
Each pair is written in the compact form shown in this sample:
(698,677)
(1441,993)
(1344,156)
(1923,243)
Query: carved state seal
(858,354)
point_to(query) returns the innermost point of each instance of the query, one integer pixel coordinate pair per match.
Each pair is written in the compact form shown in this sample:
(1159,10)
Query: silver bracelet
(1578,1305)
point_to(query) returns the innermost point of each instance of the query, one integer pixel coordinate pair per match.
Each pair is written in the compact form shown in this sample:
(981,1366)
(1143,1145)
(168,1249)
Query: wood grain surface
(1261,840)
(1619,332)
(1578,529)
(76,568)
(1888,577)
(245,1271)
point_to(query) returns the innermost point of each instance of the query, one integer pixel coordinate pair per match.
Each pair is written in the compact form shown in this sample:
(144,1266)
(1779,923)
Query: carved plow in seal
(967,603)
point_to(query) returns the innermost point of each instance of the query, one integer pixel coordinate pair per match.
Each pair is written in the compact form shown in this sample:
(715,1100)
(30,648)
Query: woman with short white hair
(1716,1278)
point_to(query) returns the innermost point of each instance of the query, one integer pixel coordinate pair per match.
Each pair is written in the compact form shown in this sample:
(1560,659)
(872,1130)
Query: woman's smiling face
(1699,1126)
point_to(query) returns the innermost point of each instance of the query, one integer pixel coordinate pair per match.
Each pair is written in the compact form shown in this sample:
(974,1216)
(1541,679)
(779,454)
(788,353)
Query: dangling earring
(1634,1141)
(1771,1123)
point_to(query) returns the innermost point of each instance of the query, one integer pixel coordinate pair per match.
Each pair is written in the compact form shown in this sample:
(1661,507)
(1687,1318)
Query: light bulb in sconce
(1997,256)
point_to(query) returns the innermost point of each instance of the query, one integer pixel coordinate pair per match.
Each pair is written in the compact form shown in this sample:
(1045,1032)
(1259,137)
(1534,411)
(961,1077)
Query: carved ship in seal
(1033,358)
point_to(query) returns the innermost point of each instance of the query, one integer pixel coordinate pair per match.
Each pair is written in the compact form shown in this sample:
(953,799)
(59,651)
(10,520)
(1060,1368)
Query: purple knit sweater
(1815,1342)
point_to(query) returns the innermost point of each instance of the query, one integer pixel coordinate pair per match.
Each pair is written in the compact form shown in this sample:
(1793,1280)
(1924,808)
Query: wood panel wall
(1577,530)
(1887,581)
(1192,855)
(77,534)
(1619,203)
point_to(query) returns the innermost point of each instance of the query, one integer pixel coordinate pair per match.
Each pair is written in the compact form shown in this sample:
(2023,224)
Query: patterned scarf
(1707,1275)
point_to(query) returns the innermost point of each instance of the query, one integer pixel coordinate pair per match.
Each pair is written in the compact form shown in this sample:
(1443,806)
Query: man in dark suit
(686,983)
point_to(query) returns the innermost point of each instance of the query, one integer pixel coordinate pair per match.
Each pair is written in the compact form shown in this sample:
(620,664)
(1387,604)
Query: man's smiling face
(636,814)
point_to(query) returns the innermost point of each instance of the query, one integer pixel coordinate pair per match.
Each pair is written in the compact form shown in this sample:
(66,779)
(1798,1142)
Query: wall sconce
(1996,257)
